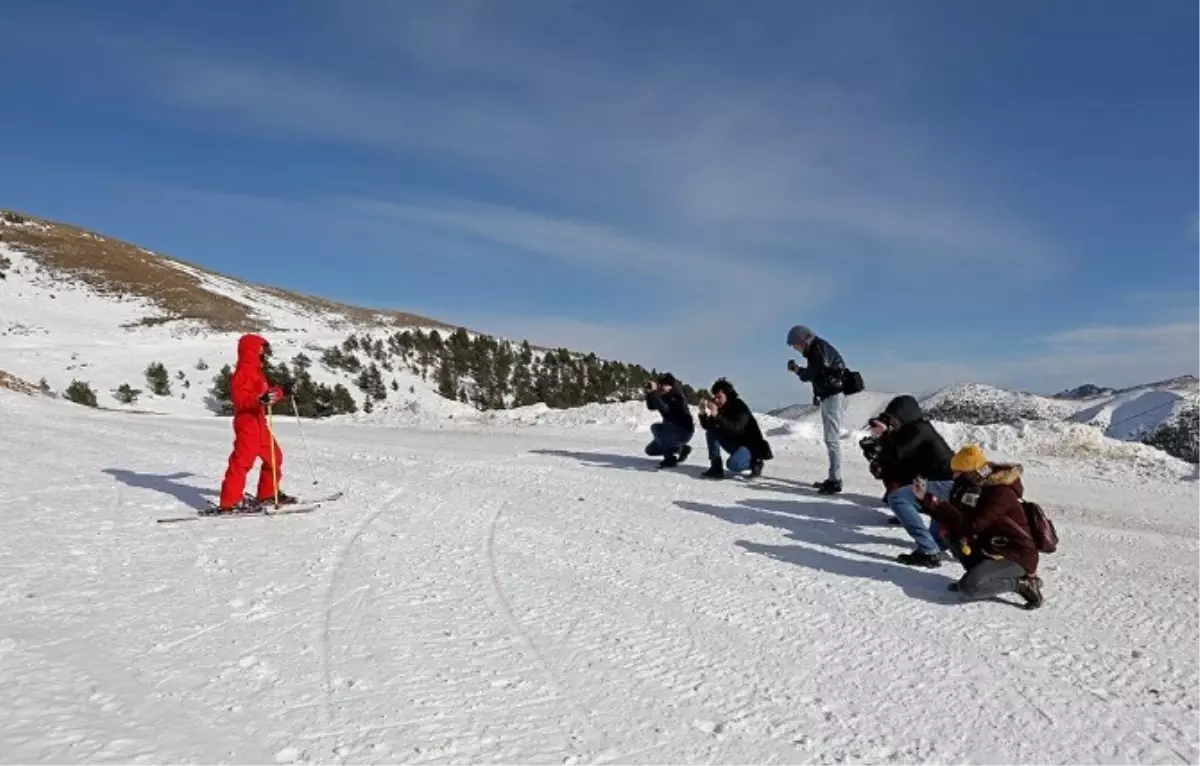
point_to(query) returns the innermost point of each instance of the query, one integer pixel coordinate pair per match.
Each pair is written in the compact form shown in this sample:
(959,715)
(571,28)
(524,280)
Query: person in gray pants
(826,371)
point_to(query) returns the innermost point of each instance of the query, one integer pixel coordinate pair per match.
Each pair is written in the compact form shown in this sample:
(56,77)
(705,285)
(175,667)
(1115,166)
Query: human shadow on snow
(828,526)
(791,487)
(604,459)
(167,484)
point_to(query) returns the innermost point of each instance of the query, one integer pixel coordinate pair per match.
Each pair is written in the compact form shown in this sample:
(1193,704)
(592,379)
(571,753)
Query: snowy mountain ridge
(1161,415)
(83,308)
(92,312)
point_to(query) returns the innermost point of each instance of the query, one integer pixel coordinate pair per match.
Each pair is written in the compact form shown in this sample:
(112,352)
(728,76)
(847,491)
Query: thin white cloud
(668,139)
(1170,336)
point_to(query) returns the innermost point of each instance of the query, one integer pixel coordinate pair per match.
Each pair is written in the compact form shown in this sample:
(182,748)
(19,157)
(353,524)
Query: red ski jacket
(249,383)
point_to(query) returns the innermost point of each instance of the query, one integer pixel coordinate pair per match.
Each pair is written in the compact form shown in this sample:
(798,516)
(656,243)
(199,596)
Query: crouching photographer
(903,446)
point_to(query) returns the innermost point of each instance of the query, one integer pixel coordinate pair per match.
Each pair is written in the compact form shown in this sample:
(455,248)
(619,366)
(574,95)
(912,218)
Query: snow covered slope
(77,306)
(539,596)
(1162,415)
(73,310)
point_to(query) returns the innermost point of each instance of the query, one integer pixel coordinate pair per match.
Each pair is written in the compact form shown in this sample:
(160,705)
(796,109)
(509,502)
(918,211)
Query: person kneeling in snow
(251,394)
(985,521)
(672,435)
(909,446)
(729,425)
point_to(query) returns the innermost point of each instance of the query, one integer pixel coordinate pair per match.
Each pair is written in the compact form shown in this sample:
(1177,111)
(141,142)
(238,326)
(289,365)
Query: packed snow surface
(515,592)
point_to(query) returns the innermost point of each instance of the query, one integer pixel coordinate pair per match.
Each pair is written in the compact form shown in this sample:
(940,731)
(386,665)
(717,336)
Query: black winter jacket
(673,408)
(735,427)
(911,447)
(826,370)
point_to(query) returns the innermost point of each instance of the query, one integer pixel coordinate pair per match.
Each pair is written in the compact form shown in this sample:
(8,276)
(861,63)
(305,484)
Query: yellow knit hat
(968,459)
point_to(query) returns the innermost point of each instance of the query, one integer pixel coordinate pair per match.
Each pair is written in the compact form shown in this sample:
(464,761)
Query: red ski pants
(251,443)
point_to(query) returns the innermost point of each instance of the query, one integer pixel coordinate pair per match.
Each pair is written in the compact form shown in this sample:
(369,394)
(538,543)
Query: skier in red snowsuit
(251,393)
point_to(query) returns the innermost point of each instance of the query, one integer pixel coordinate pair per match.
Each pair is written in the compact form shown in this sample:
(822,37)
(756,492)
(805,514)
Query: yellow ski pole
(274,469)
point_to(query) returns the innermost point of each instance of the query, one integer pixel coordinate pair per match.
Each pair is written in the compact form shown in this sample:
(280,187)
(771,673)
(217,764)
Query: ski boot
(246,505)
(283,499)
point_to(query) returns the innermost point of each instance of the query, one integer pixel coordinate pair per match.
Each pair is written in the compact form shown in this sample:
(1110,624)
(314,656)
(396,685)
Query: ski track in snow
(547,596)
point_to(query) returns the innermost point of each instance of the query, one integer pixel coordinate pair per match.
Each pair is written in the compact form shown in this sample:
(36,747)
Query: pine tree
(446,381)
(81,392)
(220,396)
(158,379)
(522,379)
(126,394)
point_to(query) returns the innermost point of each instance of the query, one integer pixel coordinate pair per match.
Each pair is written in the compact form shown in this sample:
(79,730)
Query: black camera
(871,449)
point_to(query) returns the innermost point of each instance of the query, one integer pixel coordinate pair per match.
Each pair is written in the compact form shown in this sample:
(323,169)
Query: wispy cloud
(1156,337)
(663,138)
(740,188)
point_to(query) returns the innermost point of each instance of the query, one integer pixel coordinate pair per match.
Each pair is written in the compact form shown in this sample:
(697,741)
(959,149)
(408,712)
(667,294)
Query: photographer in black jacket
(730,425)
(903,446)
(672,435)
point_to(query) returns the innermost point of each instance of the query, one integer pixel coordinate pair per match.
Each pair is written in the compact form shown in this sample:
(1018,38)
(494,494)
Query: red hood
(250,349)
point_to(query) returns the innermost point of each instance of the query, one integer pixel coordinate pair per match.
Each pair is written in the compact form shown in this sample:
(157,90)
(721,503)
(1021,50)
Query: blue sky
(995,191)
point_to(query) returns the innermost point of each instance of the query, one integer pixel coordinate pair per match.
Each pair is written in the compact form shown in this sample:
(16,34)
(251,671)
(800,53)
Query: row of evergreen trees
(483,371)
(312,399)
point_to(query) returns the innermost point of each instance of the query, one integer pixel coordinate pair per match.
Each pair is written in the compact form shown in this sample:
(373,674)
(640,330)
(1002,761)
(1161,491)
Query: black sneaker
(684,451)
(716,471)
(829,487)
(670,461)
(756,469)
(1030,589)
(920,559)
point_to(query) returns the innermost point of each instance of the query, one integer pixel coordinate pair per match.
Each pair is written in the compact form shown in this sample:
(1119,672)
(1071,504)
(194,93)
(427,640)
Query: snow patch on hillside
(283,315)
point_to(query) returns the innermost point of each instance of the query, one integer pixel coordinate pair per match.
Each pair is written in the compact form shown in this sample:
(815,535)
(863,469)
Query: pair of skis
(304,505)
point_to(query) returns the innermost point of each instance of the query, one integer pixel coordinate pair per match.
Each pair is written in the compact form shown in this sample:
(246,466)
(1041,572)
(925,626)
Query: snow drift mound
(1067,441)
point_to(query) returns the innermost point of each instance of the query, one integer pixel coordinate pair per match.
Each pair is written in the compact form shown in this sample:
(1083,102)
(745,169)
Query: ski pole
(274,446)
(307,452)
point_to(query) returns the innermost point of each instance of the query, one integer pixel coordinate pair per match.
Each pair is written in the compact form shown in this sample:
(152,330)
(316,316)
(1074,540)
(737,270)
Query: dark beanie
(667,379)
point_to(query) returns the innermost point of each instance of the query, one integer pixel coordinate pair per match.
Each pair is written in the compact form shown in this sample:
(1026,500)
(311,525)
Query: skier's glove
(273,394)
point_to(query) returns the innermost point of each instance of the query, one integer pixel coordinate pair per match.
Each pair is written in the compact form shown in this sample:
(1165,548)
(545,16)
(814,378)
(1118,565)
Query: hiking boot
(716,471)
(920,559)
(829,487)
(670,461)
(684,451)
(756,469)
(1030,589)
